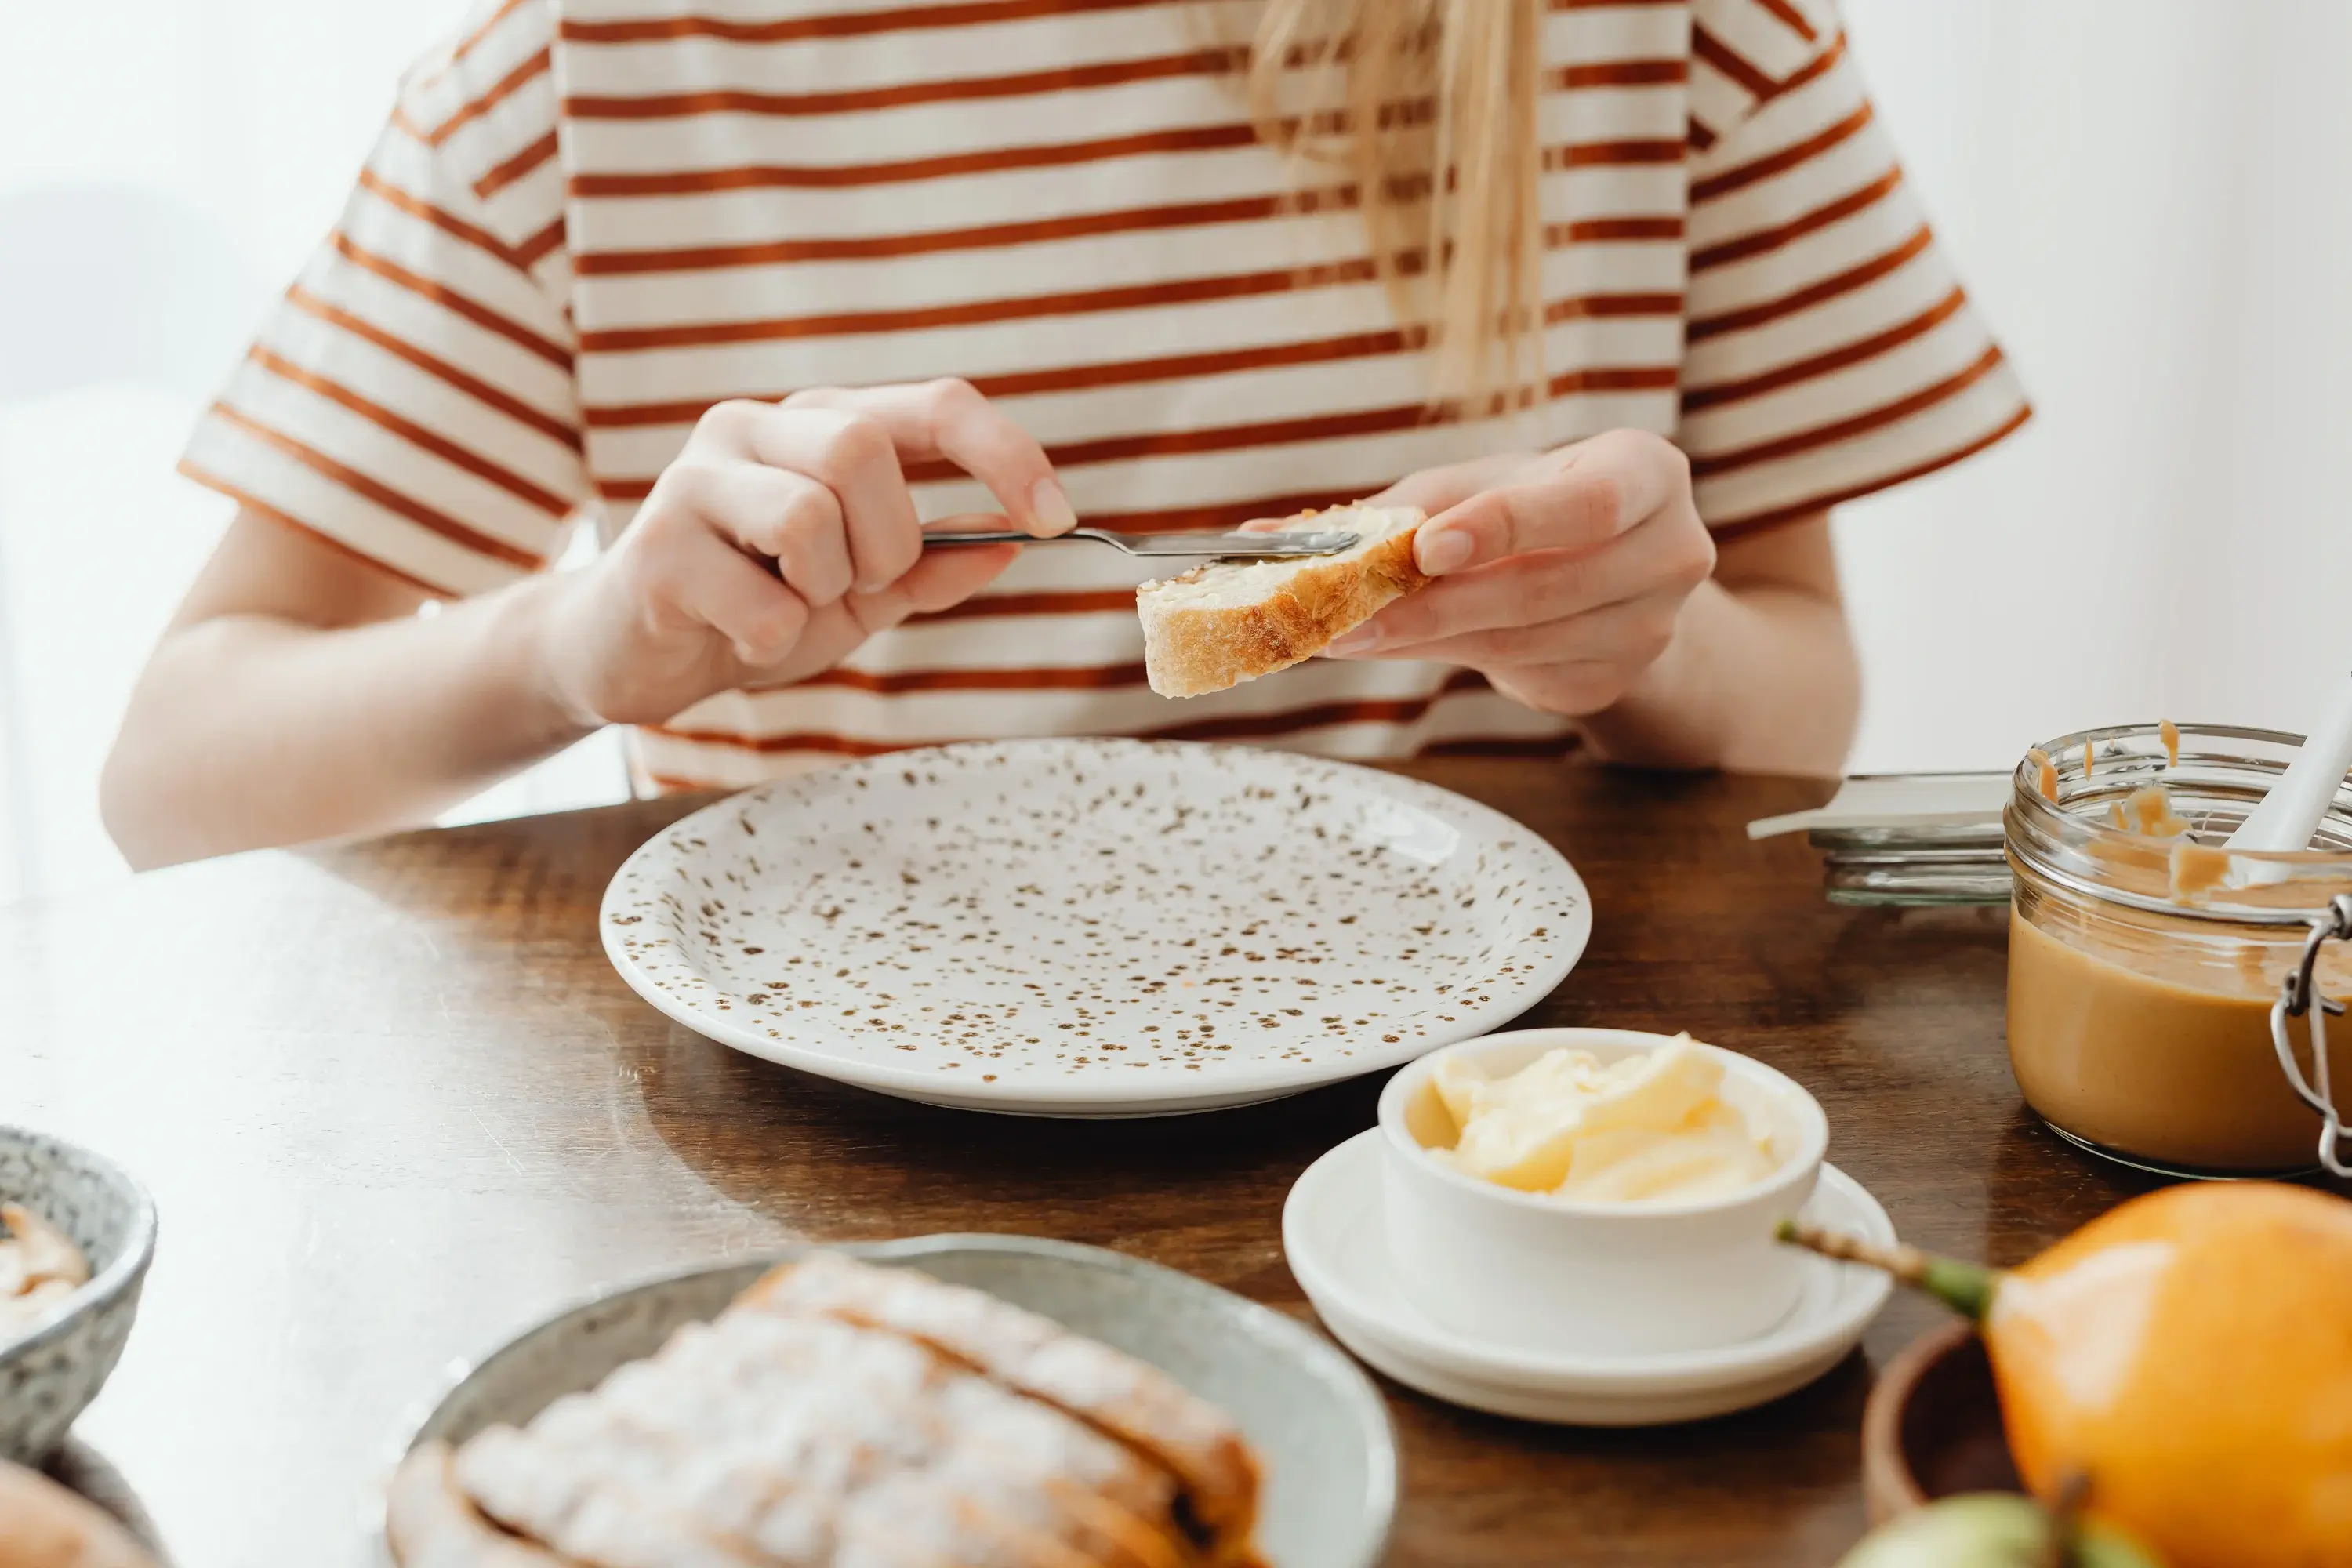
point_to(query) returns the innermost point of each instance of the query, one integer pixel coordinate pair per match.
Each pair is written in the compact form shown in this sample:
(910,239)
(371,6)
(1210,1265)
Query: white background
(2147,196)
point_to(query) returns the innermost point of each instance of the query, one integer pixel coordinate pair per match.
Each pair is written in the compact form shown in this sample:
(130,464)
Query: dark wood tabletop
(393,1105)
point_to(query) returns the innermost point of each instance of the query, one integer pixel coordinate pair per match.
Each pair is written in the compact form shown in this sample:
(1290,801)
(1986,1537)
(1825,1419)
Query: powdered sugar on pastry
(1220,624)
(1134,1403)
(843,1415)
(431,1523)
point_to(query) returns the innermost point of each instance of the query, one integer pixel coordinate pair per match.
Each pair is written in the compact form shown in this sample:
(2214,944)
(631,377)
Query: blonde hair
(1430,106)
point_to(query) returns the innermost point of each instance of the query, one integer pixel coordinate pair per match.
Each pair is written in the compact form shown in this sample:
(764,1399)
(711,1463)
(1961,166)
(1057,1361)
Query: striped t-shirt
(589,220)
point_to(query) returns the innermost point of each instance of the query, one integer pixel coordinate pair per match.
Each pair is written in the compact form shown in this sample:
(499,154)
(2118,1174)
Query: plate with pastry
(988,1402)
(1094,927)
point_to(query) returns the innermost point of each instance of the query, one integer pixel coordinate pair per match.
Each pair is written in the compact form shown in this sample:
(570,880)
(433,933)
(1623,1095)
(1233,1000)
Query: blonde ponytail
(1398,93)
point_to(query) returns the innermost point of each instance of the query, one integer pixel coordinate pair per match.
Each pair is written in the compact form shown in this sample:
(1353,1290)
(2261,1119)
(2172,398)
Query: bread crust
(1191,650)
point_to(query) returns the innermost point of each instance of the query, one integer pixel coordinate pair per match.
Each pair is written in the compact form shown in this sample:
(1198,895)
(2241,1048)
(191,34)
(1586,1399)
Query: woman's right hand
(780,538)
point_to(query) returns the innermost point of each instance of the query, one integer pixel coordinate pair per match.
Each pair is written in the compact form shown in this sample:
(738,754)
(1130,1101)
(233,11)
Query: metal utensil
(1232,546)
(1900,839)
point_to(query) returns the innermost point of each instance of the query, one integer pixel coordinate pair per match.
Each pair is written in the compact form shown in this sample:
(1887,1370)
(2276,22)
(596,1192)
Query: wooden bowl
(1932,1427)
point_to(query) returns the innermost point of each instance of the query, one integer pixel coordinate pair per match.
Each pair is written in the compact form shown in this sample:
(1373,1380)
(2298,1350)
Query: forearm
(1760,678)
(251,730)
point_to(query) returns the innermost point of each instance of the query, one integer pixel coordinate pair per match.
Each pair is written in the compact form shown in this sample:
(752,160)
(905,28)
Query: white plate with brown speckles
(1094,927)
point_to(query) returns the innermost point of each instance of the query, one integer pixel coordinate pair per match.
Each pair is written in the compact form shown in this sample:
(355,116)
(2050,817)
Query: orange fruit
(2190,1354)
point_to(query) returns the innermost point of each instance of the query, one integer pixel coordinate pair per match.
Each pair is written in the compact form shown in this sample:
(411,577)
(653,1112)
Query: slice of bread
(1227,621)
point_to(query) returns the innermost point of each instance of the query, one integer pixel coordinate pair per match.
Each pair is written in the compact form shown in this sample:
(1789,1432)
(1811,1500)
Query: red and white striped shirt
(589,220)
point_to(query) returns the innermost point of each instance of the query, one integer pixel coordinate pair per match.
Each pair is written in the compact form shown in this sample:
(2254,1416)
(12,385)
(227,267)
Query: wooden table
(393,1105)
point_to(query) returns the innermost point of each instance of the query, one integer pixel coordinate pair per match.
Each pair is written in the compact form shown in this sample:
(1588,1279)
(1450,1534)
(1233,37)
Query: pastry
(843,1415)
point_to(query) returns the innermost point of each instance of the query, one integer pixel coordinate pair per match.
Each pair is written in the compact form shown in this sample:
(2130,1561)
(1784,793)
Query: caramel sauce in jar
(2140,982)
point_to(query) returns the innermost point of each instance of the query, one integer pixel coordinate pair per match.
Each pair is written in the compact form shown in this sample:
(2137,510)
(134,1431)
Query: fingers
(1629,634)
(1435,490)
(1661,555)
(854,442)
(950,419)
(787,518)
(1572,690)
(705,578)
(852,455)
(940,580)
(784,535)
(1575,498)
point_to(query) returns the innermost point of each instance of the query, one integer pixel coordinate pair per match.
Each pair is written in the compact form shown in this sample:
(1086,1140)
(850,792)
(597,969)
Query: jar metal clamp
(2297,996)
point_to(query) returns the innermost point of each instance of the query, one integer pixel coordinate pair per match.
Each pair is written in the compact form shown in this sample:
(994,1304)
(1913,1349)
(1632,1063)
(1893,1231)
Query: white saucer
(1331,1234)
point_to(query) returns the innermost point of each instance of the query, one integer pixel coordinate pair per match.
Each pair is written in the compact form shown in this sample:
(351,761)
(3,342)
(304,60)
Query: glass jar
(2141,984)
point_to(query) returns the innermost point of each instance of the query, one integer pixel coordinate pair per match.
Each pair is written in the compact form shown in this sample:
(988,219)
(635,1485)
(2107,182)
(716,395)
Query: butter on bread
(1227,621)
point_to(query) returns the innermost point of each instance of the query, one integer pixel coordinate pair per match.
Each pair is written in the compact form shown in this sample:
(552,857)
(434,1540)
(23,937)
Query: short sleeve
(1830,351)
(412,398)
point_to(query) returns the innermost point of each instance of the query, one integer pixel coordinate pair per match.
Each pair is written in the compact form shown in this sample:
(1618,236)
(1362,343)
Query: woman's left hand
(1561,577)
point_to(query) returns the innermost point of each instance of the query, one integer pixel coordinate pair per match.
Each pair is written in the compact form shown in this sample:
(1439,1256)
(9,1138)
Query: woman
(754,287)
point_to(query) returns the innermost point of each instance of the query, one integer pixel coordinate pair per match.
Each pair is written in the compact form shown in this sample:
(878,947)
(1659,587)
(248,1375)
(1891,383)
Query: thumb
(940,579)
(1440,489)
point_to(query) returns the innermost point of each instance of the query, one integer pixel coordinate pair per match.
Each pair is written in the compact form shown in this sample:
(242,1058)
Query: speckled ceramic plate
(1094,927)
(1316,1421)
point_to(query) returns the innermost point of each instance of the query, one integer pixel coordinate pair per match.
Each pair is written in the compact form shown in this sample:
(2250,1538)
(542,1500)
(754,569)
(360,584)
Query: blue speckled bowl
(48,1376)
(1316,1421)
